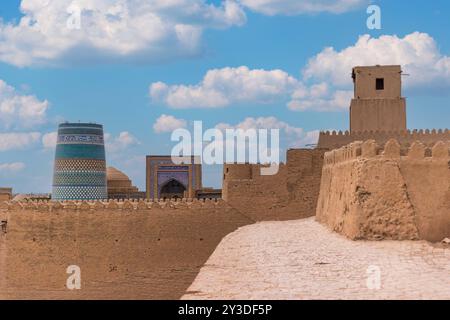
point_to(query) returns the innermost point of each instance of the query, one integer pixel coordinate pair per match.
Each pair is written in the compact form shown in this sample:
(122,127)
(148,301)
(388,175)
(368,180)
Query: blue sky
(97,79)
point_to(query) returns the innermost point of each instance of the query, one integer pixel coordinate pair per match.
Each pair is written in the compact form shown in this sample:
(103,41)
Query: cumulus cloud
(295,136)
(17,110)
(11,167)
(294,7)
(167,123)
(13,141)
(121,142)
(226,86)
(57,31)
(329,71)
(49,140)
(325,83)
(320,97)
(417,53)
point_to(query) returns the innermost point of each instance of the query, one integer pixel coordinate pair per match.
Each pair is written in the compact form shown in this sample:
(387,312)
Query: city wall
(125,250)
(332,140)
(370,192)
(290,194)
(5,194)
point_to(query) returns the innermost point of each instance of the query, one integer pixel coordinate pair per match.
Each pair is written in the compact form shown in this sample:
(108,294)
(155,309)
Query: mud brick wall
(290,194)
(333,140)
(125,250)
(370,192)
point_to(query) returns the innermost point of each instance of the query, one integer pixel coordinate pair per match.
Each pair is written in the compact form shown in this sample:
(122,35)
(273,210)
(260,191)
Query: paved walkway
(304,260)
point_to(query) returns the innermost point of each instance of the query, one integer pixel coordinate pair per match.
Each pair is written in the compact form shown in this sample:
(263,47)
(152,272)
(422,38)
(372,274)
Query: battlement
(291,193)
(374,192)
(115,205)
(156,248)
(392,149)
(405,132)
(337,139)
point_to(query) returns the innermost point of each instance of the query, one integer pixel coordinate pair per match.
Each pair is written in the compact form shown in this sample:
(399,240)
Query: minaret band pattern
(80,164)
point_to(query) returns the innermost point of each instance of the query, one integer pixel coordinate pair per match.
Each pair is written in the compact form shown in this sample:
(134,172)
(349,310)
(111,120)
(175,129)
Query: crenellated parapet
(289,194)
(336,139)
(116,244)
(391,149)
(111,205)
(372,191)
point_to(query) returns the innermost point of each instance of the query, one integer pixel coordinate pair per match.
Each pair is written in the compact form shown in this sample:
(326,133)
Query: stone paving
(304,260)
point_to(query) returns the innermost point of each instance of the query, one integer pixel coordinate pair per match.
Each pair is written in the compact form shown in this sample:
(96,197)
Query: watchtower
(378,104)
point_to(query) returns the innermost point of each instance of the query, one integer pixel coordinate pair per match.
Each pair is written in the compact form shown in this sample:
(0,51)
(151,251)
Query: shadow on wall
(374,193)
(124,250)
(290,194)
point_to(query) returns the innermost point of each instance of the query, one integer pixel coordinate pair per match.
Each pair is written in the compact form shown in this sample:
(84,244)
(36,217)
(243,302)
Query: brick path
(304,260)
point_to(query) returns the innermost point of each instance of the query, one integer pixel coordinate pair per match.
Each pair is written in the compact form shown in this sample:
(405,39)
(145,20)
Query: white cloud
(11,167)
(295,137)
(18,110)
(294,7)
(417,53)
(227,86)
(330,70)
(223,87)
(13,141)
(262,123)
(49,140)
(326,83)
(320,97)
(167,123)
(310,138)
(120,143)
(52,31)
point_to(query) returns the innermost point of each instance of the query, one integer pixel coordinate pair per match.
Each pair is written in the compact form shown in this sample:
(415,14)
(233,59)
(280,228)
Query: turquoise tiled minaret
(80,166)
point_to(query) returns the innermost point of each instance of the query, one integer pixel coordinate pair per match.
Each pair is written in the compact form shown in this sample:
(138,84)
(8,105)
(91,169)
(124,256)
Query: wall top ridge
(392,149)
(114,205)
(371,132)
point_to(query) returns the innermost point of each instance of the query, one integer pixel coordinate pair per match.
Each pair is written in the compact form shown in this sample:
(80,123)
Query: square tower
(5,194)
(378,104)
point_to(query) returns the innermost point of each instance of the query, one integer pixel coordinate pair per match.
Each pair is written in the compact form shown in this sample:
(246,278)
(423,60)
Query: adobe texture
(5,194)
(377,104)
(334,140)
(290,194)
(125,250)
(378,112)
(378,189)
(303,260)
(374,193)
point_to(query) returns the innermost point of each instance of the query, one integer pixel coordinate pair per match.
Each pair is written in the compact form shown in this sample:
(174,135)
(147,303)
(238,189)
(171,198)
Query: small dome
(113,174)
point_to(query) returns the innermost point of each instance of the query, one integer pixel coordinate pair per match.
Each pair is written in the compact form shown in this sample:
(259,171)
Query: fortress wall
(303,180)
(261,197)
(125,251)
(368,192)
(333,140)
(384,114)
(290,194)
